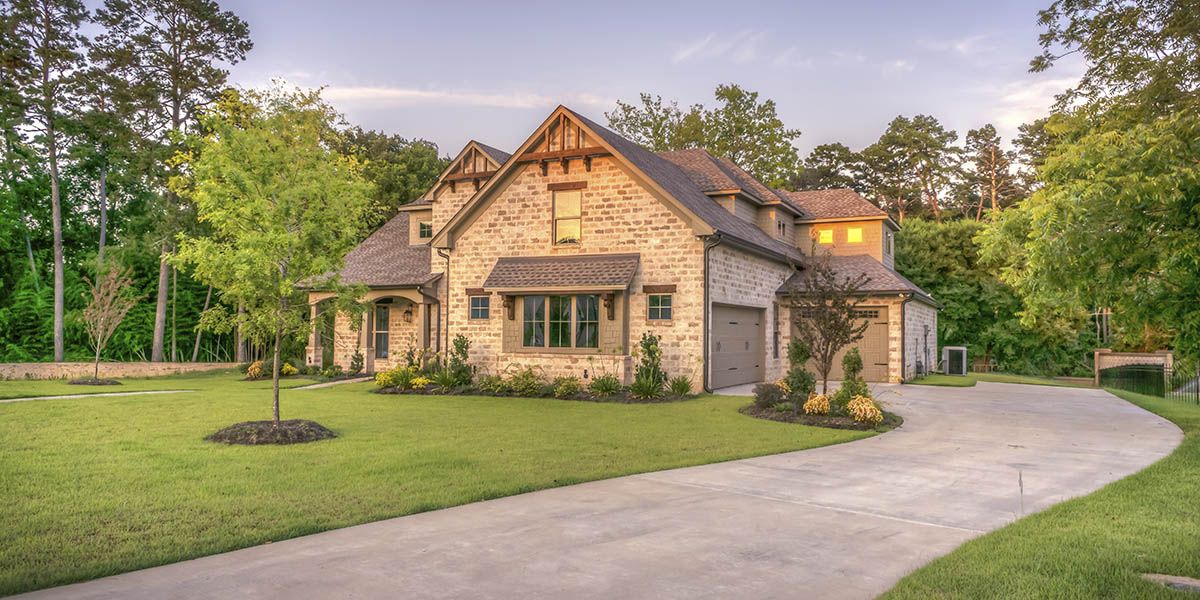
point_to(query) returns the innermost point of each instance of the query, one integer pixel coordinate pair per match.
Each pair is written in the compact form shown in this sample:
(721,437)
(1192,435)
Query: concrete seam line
(812,504)
(101,395)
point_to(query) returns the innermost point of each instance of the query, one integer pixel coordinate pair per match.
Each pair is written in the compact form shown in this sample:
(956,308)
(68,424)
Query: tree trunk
(96,369)
(239,345)
(103,214)
(160,308)
(174,328)
(37,285)
(56,220)
(196,346)
(275,372)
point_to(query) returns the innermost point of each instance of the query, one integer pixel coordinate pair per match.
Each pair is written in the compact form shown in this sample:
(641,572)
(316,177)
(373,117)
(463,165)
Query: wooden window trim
(566,186)
(659,289)
(573,325)
(477,292)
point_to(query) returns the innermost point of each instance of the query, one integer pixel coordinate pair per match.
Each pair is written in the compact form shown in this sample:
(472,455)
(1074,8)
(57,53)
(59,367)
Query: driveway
(844,521)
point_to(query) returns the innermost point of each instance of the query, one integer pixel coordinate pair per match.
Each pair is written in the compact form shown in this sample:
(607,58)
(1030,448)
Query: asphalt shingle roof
(833,204)
(537,272)
(880,279)
(496,154)
(386,259)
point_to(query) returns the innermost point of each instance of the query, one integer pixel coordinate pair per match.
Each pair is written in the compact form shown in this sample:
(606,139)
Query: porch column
(366,339)
(314,336)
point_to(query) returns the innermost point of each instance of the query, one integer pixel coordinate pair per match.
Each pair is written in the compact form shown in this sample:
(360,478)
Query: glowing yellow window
(825,236)
(854,235)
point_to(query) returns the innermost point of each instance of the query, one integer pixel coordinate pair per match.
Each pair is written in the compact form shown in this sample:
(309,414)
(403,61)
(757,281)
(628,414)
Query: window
(566,321)
(534,322)
(425,230)
(888,247)
(854,235)
(480,307)
(781,228)
(381,330)
(659,307)
(825,236)
(567,216)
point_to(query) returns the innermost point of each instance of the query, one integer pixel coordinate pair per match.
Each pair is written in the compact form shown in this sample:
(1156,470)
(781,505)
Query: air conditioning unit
(954,359)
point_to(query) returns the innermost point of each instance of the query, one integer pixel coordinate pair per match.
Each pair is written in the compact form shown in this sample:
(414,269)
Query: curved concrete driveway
(844,521)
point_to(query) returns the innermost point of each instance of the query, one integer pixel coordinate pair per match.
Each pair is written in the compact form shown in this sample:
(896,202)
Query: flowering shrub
(864,410)
(255,370)
(401,378)
(817,404)
(420,383)
(287,370)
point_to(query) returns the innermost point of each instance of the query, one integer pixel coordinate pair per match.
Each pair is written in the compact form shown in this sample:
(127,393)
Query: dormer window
(567,216)
(825,236)
(854,235)
(781,228)
(425,230)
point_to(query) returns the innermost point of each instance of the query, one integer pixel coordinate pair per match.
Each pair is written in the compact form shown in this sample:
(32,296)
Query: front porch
(394,323)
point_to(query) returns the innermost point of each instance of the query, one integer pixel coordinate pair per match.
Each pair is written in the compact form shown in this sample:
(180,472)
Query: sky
(492,71)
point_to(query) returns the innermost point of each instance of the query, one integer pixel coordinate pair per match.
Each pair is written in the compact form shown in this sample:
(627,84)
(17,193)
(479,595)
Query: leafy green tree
(830,166)
(50,29)
(928,154)
(741,128)
(1032,145)
(401,169)
(990,171)
(283,209)
(886,178)
(823,312)
(170,54)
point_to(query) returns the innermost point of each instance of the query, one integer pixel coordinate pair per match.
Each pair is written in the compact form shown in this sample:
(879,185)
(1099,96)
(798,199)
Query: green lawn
(970,379)
(23,388)
(97,486)
(1091,547)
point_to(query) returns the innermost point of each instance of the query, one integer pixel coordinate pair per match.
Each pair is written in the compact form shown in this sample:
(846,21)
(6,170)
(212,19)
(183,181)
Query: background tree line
(1093,208)
(90,130)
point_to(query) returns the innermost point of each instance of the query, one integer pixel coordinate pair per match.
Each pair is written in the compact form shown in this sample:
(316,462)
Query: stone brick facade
(920,338)
(743,279)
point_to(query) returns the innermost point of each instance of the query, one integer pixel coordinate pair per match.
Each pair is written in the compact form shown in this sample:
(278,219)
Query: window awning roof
(562,273)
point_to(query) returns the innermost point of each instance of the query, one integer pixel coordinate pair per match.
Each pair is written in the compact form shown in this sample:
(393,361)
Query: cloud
(742,47)
(965,46)
(791,58)
(843,57)
(898,67)
(1022,101)
(383,96)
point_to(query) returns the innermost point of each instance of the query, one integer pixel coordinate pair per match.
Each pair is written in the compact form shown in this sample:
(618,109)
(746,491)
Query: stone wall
(742,279)
(917,345)
(74,370)
(618,216)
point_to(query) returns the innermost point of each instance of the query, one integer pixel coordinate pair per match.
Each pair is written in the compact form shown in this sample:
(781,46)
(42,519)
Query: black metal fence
(1154,380)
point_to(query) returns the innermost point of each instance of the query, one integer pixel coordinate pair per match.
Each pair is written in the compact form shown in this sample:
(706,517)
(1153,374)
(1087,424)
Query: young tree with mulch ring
(823,309)
(282,209)
(108,306)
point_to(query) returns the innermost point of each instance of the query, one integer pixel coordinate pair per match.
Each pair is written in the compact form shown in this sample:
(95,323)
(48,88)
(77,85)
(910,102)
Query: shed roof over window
(549,273)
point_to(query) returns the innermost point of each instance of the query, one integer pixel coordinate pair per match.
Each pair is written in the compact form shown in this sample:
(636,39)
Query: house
(562,254)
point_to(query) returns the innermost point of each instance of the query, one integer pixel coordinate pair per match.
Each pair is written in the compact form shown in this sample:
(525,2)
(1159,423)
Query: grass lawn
(1091,547)
(970,379)
(25,388)
(97,486)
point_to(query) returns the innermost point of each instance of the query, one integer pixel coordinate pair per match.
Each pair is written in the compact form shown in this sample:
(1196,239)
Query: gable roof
(494,156)
(499,156)
(880,279)
(386,259)
(601,271)
(837,203)
(712,174)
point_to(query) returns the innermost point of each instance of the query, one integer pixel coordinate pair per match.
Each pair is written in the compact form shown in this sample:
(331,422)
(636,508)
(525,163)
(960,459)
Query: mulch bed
(90,381)
(890,420)
(253,433)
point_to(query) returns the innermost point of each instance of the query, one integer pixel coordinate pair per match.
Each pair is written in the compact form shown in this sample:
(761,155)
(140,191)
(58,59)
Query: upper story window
(825,236)
(781,228)
(425,230)
(888,242)
(567,216)
(854,235)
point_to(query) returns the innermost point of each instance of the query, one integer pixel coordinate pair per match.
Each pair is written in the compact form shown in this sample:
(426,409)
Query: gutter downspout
(446,255)
(709,244)
(903,339)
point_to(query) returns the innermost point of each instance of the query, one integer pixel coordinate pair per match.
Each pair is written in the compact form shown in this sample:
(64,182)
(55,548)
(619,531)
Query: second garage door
(737,345)
(873,347)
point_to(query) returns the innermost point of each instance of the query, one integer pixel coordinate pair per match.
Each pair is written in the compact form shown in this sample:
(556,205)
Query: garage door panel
(737,345)
(873,347)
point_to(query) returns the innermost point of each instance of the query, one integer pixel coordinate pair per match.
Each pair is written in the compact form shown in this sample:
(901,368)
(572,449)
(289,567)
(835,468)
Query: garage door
(738,342)
(873,347)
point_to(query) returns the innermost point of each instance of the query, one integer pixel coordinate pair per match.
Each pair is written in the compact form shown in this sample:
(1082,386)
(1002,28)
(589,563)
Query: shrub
(526,382)
(767,395)
(255,370)
(312,370)
(646,388)
(800,382)
(605,385)
(567,387)
(243,367)
(401,378)
(492,384)
(356,363)
(852,381)
(287,370)
(649,378)
(446,379)
(680,386)
(864,410)
(817,404)
(458,365)
(419,382)
(332,371)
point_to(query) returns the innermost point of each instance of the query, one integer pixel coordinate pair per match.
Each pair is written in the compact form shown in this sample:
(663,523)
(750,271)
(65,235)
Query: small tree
(823,309)
(799,381)
(108,306)
(282,209)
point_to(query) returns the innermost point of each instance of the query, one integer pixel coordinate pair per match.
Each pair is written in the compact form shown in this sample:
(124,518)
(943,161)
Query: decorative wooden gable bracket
(563,141)
(474,166)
